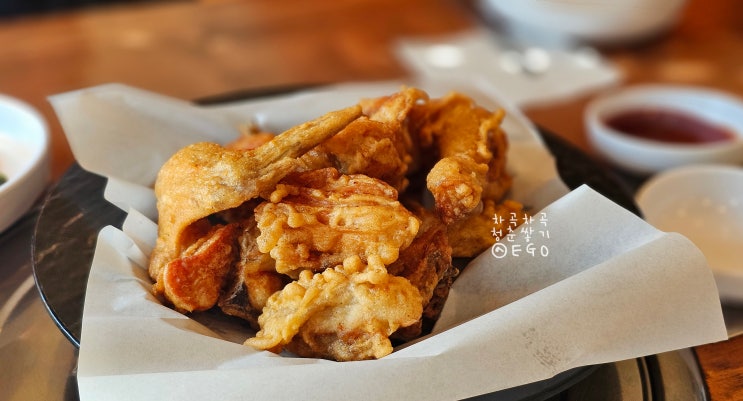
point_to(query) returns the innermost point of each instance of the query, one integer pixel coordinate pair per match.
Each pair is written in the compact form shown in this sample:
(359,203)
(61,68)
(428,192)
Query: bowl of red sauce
(650,128)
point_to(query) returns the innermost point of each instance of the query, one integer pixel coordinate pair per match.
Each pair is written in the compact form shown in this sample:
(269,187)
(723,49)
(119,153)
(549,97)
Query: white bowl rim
(656,181)
(39,152)
(728,282)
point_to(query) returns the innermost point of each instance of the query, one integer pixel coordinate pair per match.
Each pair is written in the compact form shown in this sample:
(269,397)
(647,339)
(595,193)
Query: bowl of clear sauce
(650,128)
(704,203)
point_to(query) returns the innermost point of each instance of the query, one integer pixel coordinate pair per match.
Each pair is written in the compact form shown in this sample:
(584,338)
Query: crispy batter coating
(427,264)
(344,313)
(364,147)
(194,281)
(378,144)
(315,220)
(498,181)
(303,236)
(462,133)
(394,110)
(205,178)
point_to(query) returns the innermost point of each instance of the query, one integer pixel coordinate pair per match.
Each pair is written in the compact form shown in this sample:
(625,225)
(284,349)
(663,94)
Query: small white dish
(24,158)
(705,204)
(646,156)
(592,21)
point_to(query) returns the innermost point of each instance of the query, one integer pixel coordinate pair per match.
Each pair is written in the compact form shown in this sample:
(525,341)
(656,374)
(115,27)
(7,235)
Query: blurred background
(11,8)
(199,48)
(550,57)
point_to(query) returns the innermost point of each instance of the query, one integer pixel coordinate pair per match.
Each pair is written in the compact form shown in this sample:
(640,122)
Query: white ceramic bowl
(24,158)
(705,204)
(593,21)
(645,156)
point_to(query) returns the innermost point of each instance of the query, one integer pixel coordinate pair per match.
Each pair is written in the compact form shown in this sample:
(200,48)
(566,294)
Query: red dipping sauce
(667,126)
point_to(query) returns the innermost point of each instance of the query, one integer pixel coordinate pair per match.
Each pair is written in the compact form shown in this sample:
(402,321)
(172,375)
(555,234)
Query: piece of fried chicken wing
(205,178)
(344,313)
(315,220)
(427,264)
(378,144)
(463,134)
(193,281)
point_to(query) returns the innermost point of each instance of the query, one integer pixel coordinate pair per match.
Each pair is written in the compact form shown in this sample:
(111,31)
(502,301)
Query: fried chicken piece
(344,313)
(394,110)
(366,268)
(474,234)
(378,144)
(315,220)
(497,181)
(205,178)
(194,281)
(462,132)
(456,184)
(252,280)
(427,264)
(364,147)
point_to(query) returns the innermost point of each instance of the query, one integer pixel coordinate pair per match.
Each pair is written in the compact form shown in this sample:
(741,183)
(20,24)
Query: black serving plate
(64,242)
(75,211)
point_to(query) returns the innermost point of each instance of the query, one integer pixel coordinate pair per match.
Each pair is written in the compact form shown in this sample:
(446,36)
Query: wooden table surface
(195,49)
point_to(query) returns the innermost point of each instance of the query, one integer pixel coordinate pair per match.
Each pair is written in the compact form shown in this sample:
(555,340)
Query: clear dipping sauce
(667,126)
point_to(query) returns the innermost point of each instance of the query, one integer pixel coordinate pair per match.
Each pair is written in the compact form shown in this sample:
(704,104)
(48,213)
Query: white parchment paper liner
(600,286)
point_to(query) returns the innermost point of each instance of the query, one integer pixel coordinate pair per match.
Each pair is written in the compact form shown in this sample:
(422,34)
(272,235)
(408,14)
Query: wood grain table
(197,49)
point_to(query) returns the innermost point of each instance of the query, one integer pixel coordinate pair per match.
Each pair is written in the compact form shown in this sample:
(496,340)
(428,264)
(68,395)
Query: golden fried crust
(302,234)
(364,147)
(317,219)
(456,183)
(205,178)
(344,313)
(394,110)
(498,181)
(462,132)
(427,264)
(194,281)
(377,144)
